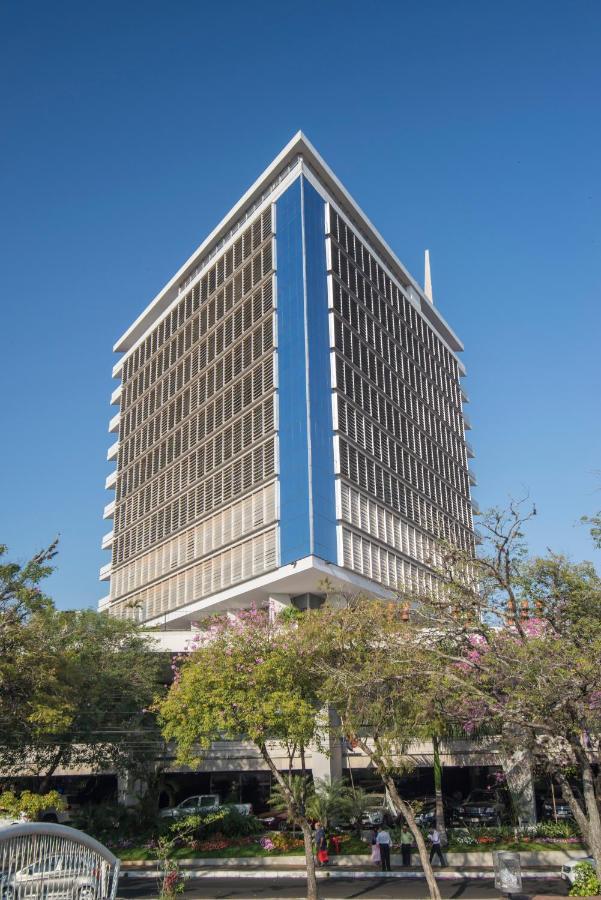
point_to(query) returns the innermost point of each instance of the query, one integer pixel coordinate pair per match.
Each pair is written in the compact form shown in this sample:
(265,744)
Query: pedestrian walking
(406,844)
(436,848)
(375,847)
(321,845)
(383,841)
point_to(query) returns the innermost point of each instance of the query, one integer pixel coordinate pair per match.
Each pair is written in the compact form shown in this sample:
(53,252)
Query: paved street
(339,889)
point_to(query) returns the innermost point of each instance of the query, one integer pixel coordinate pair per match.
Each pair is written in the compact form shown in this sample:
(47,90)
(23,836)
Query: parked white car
(568,871)
(377,813)
(200,804)
(60,876)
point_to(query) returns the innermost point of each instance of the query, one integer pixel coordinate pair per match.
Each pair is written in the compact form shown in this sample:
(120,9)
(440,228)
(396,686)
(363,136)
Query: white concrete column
(326,763)
(276,603)
(130,790)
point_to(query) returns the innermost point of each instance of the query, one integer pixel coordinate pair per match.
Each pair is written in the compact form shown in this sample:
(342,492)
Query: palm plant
(326,800)
(356,803)
(301,788)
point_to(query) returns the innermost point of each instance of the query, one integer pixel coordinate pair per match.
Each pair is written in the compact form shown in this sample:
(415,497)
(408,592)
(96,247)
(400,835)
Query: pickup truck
(200,804)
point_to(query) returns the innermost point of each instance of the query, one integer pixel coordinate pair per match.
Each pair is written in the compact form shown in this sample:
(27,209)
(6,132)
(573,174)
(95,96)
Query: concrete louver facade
(289,409)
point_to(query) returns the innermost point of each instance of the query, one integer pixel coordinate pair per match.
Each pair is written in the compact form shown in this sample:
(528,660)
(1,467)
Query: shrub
(237,825)
(33,805)
(557,829)
(586,883)
(108,822)
(227,822)
(284,842)
(461,836)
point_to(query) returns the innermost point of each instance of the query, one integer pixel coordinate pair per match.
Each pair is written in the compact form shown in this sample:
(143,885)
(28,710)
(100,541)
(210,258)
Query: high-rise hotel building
(290,410)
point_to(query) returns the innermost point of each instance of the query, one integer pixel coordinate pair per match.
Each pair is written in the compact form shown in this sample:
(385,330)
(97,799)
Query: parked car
(58,876)
(559,809)
(200,804)
(425,811)
(481,807)
(376,813)
(275,821)
(568,871)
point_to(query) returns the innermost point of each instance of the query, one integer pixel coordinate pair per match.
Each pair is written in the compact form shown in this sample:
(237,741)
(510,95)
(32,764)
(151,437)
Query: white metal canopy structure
(41,859)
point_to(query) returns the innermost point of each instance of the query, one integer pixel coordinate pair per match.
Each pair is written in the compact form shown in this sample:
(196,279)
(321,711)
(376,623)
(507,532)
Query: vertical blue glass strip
(295,532)
(321,473)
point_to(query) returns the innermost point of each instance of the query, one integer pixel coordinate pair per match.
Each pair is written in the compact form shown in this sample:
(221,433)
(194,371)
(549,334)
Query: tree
(356,803)
(32,805)
(247,678)
(90,679)
(355,656)
(20,599)
(326,800)
(74,686)
(300,786)
(520,640)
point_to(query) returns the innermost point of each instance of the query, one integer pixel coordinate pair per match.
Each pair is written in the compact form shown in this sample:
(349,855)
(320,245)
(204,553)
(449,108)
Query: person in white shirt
(383,841)
(436,848)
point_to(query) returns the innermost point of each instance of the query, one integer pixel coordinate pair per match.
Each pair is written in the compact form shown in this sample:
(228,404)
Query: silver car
(59,876)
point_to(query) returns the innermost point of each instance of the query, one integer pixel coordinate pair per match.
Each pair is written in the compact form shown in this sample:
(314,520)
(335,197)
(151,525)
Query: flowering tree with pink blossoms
(245,679)
(520,644)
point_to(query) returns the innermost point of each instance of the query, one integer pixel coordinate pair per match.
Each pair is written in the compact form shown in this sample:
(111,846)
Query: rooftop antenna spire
(428,278)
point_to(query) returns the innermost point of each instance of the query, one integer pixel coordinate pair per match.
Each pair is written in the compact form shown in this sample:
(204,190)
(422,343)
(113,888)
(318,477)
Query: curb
(335,875)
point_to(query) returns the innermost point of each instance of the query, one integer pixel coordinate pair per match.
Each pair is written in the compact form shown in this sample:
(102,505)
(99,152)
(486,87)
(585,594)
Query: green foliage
(33,805)
(535,680)
(247,681)
(298,786)
(290,614)
(283,842)
(171,882)
(326,801)
(356,802)
(109,821)
(248,678)
(21,598)
(227,821)
(91,678)
(586,882)
(595,528)
(369,669)
(557,829)
(74,686)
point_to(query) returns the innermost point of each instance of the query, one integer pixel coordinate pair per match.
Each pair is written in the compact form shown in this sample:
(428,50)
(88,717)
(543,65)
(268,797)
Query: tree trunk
(579,815)
(310,861)
(591,805)
(405,810)
(440,822)
(297,815)
(45,782)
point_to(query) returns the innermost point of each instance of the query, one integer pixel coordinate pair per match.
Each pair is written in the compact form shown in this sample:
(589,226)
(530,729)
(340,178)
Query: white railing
(113,451)
(109,510)
(107,540)
(114,423)
(41,859)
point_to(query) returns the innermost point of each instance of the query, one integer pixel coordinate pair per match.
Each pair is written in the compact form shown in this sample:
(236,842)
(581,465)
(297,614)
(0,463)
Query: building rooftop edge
(298,146)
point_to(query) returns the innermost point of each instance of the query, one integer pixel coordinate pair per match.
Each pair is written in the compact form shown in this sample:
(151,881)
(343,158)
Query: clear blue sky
(129,129)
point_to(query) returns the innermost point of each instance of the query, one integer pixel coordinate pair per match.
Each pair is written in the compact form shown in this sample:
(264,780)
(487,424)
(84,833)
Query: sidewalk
(232,869)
